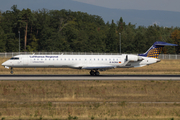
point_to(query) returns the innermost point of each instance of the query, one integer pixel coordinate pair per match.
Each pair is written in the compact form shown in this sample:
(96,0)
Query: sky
(166,5)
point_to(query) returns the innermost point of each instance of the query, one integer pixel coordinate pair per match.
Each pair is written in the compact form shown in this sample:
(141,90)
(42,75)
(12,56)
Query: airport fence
(10,54)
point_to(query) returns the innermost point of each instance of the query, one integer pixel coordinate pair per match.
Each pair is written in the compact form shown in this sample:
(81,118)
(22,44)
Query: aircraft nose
(3,64)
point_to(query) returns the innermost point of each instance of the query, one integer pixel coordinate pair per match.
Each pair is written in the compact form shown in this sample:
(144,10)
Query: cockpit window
(14,58)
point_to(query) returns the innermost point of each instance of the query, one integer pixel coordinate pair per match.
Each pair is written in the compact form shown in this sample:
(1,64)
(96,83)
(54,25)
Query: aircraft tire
(97,73)
(92,73)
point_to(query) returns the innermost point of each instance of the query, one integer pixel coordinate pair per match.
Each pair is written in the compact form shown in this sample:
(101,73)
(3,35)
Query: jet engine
(133,58)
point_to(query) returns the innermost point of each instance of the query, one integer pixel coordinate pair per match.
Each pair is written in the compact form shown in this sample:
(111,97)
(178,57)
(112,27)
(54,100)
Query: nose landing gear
(11,70)
(96,72)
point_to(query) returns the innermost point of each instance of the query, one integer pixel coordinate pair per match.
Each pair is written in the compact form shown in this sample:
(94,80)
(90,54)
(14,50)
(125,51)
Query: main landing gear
(96,72)
(11,70)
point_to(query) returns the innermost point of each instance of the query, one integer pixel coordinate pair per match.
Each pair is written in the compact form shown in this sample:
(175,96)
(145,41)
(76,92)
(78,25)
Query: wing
(101,68)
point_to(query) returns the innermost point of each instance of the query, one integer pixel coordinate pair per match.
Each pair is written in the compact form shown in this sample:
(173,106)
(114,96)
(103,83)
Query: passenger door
(25,61)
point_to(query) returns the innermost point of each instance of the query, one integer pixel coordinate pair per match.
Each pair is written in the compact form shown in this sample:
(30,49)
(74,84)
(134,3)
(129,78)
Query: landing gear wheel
(11,71)
(97,73)
(92,72)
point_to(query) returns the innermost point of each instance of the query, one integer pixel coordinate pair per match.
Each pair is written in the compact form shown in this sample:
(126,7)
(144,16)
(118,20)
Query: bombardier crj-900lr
(95,63)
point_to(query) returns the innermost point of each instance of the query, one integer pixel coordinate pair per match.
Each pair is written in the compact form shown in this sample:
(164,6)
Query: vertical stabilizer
(156,49)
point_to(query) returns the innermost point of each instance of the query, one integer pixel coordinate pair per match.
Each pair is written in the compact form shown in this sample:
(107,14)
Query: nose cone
(3,64)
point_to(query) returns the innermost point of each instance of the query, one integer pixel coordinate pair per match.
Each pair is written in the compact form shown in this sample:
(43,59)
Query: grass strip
(89,99)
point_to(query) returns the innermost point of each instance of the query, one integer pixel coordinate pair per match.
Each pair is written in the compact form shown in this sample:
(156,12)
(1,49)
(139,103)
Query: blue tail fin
(156,49)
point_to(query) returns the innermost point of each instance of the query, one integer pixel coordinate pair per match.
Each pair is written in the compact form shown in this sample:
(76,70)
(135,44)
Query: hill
(138,17)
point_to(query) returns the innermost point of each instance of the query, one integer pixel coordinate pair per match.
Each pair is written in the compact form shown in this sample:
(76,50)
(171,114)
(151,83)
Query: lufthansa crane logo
(154,53)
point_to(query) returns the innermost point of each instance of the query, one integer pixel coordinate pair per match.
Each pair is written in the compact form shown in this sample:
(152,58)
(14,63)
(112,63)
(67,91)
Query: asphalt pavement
(88,77)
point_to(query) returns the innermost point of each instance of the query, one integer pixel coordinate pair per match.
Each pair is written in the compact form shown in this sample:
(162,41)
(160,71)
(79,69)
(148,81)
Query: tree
(120,25)
(10,31)
(33,46)
(139,43)
(111,40)
(128,39)
(25,17)
(65,30)
(175,35)
(2,40)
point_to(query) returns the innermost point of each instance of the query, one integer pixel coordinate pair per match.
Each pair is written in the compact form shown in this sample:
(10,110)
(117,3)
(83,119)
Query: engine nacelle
(133,58)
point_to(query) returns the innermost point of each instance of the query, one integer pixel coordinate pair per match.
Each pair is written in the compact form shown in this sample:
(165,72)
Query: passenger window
(102,59)
(76,58)
(94,59)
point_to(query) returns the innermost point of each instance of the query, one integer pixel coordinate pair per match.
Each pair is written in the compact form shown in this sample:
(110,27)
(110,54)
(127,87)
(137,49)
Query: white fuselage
(91,62)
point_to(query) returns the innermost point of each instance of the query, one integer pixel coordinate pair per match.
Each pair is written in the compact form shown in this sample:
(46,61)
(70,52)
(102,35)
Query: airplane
(94,63)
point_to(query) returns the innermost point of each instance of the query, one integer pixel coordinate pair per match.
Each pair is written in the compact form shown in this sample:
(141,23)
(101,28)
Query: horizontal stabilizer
(160,43)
